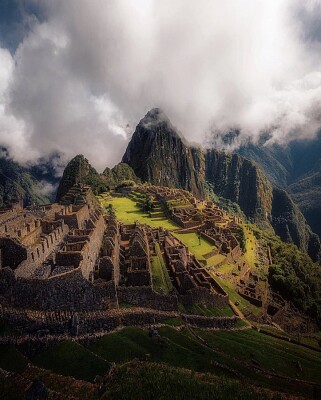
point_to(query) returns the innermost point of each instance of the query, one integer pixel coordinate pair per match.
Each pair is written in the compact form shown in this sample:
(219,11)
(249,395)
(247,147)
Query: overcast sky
(76,76)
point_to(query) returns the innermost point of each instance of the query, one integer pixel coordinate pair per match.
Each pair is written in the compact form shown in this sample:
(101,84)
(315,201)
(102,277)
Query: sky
(76,76)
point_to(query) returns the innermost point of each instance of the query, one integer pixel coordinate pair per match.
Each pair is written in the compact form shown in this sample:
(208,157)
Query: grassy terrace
(239,350)
(71,359)
(245,356)
(250,254)
(244,305)
(272,354)
(199,248)
(128,212)
(161,279)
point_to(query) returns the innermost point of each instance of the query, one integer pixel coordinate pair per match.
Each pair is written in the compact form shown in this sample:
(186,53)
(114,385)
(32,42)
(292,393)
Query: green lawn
(225,268)
(250,255)
(191,240)
(161,280)
(215,260)
(128,212)
(71,359)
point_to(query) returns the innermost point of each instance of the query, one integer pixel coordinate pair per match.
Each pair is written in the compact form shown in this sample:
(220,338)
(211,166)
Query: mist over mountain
(76,76)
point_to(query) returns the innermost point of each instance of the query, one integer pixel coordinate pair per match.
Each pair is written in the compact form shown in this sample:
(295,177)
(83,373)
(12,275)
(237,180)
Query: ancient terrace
(72,256)
(225,250)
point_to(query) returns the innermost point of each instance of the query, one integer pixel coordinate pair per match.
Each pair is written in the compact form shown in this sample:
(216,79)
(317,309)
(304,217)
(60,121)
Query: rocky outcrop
(240,181)
(120,173)
(159,155)
(289,223)
(79,170)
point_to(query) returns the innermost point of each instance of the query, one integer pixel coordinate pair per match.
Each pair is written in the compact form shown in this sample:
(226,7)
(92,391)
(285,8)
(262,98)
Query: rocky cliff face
(240,181)
(159,155)
(295,168)
(289,223)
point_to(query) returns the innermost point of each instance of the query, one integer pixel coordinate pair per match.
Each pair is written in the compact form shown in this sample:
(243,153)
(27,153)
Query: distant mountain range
(295,168)
(36,183)
(257,179)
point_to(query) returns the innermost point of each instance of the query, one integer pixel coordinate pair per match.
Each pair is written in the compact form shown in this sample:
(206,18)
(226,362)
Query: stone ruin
(71,256)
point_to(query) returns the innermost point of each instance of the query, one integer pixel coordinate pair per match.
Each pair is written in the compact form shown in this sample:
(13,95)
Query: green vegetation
(71,359)
(215,260)
(272,354)
(174,348)
(17,182)
(128,212)
(79,170)
(250,246)
(209,311)
(173,321)
(243,304)
(239,350)
(295,276)
(11,359)
(161,279)
(198,246)
(138,380)
(241,238)
(210,360)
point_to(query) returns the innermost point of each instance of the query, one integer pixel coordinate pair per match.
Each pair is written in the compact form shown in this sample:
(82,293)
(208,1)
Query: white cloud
(81,80)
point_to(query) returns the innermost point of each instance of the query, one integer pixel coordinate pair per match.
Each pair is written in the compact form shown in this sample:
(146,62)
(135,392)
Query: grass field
(272,354)
(213,261)
(161,280)
(71,359)
(171,347)
(128,212)
(222,354)
(250,255)
(131,380)
(198,248)
(235,349)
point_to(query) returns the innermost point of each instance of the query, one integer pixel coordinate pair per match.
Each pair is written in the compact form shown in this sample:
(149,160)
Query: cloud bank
(83,76)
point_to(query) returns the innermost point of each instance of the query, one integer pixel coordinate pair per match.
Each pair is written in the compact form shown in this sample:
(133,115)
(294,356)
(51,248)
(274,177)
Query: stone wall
(146,297)
(68,291)
(38,254)
(202,296)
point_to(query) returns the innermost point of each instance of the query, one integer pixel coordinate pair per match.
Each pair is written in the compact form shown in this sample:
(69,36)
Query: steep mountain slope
(119,173)
(240,181)
(159,155)
(79,170)
(296,168)
(306,192)
(170,161)
(16,182)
